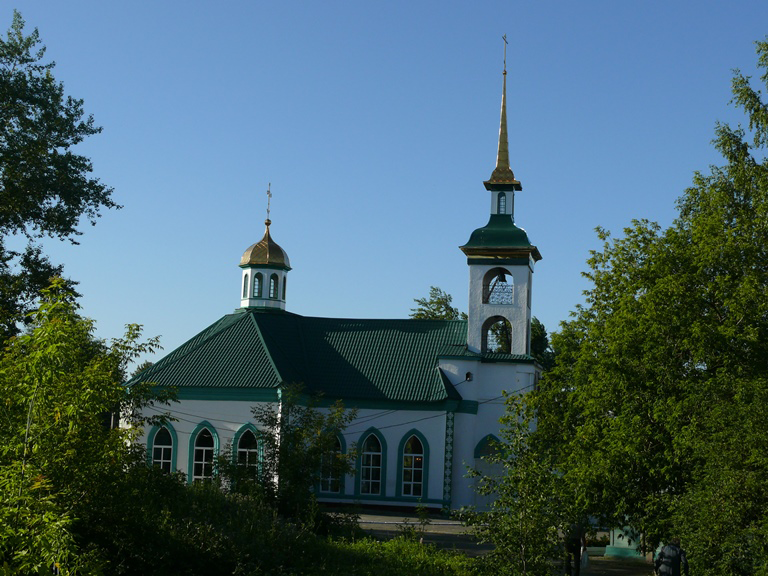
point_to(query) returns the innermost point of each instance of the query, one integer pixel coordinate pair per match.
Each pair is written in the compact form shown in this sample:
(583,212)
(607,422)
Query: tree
(540,348)
(297,436)
(436,307)
(58,382)
(45,187)
(526,515)
(57,458)
(656,404)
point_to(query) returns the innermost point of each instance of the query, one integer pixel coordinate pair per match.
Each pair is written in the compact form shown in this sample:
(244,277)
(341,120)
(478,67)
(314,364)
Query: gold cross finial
(269,197)
(505,52)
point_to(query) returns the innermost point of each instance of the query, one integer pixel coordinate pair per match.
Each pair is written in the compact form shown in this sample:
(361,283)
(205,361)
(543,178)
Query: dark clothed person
(671,559)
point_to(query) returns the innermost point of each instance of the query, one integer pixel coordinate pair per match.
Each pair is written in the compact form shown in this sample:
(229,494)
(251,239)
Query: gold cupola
(266,253)
(265,267)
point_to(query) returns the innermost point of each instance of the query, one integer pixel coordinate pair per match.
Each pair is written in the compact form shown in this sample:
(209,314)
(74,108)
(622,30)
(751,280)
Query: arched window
(257,285)
(501,203)
(371,466)
(330,470)
(202,466)
(273,286)
(162,450)
(245,286)
(413,467)
(498,287)
(488,446)
(497,335)
(248,449)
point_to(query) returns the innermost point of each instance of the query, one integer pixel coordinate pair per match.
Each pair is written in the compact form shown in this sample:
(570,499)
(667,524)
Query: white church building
(428,393)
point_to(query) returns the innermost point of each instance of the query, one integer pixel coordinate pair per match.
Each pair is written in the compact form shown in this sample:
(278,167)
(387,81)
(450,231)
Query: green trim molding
(507,261)
(381,499)
(270,266)
(220,393)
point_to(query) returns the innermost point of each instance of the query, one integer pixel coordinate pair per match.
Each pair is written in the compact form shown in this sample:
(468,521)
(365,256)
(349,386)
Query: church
(428,393)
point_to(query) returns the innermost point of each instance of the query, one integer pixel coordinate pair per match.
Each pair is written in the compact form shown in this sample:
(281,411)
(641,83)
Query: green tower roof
(500,237)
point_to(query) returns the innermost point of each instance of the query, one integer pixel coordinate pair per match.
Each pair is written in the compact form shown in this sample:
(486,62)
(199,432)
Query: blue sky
(376,123)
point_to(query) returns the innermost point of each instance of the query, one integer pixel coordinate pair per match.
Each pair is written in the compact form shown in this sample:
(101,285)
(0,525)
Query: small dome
(499,232)
(500,236)
(265,252)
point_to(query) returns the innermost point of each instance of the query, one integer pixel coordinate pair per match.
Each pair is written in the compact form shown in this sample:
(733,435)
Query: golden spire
(502,177)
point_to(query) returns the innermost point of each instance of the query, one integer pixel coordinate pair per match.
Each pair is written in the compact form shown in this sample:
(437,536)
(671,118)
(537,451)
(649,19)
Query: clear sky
(376,123)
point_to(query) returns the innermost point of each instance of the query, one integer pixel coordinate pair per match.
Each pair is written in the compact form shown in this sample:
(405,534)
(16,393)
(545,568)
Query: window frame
(258,281)
(330,477)
(382,480)
(247,427)
(151,445)
(401,468)
(487,445)
(191,477)
(274,287)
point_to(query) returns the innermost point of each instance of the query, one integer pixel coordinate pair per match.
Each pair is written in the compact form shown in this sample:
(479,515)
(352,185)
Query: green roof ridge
(278,375)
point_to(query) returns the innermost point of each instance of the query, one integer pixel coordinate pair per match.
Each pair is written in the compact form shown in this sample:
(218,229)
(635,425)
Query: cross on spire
(504,37)
(269,197)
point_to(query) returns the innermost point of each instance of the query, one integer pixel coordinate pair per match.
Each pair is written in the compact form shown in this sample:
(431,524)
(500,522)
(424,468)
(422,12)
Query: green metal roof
(340,358)
(500,232)
(500,238)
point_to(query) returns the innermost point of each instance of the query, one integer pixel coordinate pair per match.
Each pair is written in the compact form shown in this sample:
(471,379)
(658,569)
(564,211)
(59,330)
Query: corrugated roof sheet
(341,358)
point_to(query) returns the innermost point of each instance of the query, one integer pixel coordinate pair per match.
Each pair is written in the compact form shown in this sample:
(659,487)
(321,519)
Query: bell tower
(501,261)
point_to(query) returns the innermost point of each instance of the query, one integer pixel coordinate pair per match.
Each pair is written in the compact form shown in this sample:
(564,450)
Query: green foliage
(57,456)
(656,405)
(527,511)
(436,307)
(45,188)
(540,348)
(296,435)
(400,556)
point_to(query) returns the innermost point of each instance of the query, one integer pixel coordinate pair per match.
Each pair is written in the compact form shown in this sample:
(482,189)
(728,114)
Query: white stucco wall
(225,418)
(489,381)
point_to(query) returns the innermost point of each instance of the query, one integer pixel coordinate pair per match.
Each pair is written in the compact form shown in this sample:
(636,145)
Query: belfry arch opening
(498,287)
(497,335)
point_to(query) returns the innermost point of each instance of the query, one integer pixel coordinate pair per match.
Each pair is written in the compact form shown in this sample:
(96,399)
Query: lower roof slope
(340,358)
